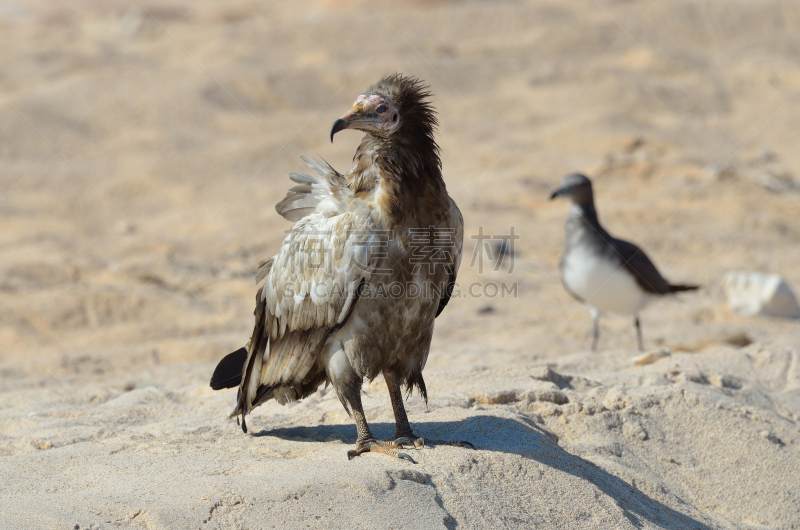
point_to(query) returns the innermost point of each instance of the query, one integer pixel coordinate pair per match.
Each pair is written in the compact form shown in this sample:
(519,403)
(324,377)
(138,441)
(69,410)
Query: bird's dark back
(639,265)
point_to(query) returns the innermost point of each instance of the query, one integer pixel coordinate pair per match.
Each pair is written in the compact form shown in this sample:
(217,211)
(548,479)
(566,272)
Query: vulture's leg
(366,443)
(403,435)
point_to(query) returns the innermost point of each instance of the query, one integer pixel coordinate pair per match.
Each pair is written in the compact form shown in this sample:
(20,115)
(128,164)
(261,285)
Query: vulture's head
(576,187)
(396,105)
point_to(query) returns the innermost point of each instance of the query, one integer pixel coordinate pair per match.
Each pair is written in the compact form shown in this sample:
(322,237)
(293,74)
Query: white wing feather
(310,284)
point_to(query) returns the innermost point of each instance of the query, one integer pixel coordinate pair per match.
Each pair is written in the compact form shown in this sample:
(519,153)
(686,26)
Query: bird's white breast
(602,283)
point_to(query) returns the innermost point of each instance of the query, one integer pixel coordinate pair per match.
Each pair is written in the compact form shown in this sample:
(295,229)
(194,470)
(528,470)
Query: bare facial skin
(388,116)
(373,113)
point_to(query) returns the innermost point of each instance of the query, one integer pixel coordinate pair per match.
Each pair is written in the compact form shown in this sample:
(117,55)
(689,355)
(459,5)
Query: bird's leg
(638,332)
(366,443)
(595,327)
(403,435)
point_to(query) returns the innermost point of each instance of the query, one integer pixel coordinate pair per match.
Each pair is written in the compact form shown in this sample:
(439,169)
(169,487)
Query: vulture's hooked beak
(356,118)
(338,125)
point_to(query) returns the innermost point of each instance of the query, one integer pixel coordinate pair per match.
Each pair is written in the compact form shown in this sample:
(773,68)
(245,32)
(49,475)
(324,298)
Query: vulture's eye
(381,109)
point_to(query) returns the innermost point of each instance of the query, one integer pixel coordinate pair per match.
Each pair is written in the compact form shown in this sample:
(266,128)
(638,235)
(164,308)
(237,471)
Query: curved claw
(404,456)
(405,441)
(401,441)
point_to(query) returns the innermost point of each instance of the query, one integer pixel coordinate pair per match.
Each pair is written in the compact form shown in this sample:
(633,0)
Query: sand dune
(668,445)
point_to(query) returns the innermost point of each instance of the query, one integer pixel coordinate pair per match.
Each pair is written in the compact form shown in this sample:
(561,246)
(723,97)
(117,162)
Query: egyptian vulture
(370,263)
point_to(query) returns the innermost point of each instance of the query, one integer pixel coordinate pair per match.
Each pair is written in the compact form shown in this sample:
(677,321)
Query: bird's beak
(560,192)
(338,125)
(356,118)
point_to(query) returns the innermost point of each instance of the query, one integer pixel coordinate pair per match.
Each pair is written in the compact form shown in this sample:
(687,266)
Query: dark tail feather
(228,372)
(251,360)
(680,288)
(415,380)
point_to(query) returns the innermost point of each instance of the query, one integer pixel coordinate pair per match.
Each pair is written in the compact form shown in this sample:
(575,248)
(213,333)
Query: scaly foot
(389,448)
(409,440)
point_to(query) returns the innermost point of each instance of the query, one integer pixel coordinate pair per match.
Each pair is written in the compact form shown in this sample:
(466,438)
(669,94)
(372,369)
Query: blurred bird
(607,274)
(337,305)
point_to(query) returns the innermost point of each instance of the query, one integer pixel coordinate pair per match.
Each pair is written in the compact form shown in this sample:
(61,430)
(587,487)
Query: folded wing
(310,287)
(641,268)
(453,246)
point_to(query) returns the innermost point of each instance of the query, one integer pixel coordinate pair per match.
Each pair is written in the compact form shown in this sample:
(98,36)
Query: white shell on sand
(757,293)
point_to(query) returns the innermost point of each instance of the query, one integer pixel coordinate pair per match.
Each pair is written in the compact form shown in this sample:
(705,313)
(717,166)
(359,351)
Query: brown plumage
(369,264)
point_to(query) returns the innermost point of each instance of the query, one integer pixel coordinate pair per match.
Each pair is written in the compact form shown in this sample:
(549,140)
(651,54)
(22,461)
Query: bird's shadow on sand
(506,435)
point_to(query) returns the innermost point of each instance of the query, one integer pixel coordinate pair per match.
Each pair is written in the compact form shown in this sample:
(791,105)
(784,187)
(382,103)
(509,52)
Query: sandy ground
(143,146)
